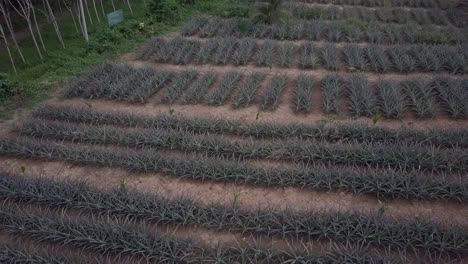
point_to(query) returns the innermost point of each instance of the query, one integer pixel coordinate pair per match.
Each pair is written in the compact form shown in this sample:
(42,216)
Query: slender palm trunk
(95,10)
(54,23)
(87,10)
(34,40)
(37,27)
(8,49)
(102,9)
(130,6)
(9,25)
(113,5)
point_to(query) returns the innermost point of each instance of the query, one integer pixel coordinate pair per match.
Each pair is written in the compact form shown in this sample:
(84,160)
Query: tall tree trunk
(89,13)
(8,49)
(113,5)
(6,16)
(102,9)
(54,23)
(34,40)
(130,6)
(83,19)
(37,26)
(95,10)
(70,10)
(44,6)
(78,10)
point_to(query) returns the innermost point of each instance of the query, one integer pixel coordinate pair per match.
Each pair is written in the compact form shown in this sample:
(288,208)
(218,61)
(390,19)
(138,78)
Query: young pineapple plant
(243,53)
(421,97)
(362,101)
(249,89)
(454,95)
(392,100)
(274,90)
(332,89)
(308,57)
(264,56)
(286,56)
(354,57)
(330,56)
(302,97)
(198,89)
(221,93)
(177,86)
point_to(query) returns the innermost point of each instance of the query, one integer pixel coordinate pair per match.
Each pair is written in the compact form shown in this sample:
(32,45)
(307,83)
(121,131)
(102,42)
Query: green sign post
(115,17)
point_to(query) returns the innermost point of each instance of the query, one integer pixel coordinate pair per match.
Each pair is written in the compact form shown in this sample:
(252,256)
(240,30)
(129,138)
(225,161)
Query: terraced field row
(442,4)
(382,14)
(390,98)
(362,159)
(317,30)
(307,55)
(104,232)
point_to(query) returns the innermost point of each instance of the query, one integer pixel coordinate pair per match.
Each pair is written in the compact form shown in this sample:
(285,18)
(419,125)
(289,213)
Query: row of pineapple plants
(320,30)
(442,4)
(357,132)
(392,99)
(115,211)
(307,55)
(379,169)
(385,15)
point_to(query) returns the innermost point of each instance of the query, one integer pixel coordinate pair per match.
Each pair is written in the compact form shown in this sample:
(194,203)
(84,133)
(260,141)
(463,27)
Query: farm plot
(340,137)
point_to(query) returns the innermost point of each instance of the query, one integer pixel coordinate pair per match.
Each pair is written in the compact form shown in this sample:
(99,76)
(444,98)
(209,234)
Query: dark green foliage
(302,97)
(249,89)
(221,93)
(117,82)
(264,56)
(361,98)
(243,52)
(421,96)
(104,235)
(164,10)
(447,138)
(178,85)
(330,57)
(331,92)
(268,11)
(198,89)
(454,95)
(273,92)
(392,101)
(309,58)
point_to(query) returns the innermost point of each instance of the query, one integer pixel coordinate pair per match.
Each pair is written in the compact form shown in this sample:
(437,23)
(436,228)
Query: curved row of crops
(307,55)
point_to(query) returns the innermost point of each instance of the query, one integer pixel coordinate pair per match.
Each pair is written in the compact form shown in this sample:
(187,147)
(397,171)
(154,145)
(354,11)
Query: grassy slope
(36,81)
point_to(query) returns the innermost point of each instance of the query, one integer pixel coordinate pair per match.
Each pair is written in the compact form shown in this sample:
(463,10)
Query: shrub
(165,10)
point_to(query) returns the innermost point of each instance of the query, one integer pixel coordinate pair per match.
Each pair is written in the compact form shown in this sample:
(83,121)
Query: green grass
(36,81)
